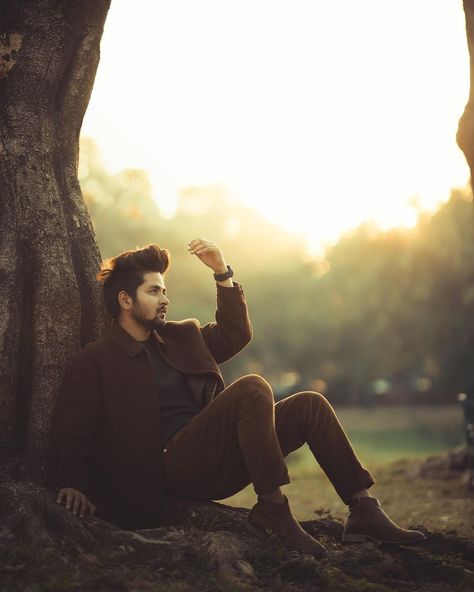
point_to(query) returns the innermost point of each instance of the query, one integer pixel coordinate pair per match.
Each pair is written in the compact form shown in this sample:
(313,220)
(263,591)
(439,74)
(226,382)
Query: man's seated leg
(309,417)
(229,444)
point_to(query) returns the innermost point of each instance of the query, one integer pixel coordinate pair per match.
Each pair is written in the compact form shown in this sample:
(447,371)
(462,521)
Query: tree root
(226,551)
(32,522)
(203,546)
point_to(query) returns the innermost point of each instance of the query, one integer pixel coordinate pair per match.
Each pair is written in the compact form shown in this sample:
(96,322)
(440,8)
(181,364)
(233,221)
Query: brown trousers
(241,436)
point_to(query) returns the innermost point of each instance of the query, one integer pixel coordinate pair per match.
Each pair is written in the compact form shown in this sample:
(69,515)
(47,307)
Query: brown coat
(105,438)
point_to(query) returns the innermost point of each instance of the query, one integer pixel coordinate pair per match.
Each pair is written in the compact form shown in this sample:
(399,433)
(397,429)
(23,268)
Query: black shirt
(177,406)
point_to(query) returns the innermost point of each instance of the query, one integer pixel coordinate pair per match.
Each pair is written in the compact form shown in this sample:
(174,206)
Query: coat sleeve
(232,329)
(74,424)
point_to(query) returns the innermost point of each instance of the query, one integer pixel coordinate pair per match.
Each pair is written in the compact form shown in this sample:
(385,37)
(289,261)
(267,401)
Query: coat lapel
(180,343)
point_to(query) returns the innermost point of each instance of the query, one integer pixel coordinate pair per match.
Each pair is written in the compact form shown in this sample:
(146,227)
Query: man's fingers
(84,505)
(195,245)
(200,242)
(77,503)
(63,495)
(193,242)
(69,499)
(201,250)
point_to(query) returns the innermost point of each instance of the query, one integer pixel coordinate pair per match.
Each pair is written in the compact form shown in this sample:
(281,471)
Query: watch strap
(220,277)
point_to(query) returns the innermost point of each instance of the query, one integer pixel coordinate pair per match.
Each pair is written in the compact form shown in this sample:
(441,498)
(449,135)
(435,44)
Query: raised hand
(209,253)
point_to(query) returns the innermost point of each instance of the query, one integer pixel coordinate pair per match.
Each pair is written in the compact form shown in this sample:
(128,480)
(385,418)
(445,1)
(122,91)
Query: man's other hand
(75,501)
(209,253)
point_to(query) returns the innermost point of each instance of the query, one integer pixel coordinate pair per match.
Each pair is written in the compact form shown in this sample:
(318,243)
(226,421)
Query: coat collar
(126,342)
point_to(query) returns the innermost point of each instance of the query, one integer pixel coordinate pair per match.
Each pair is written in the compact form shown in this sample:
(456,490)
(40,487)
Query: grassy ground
(380,437)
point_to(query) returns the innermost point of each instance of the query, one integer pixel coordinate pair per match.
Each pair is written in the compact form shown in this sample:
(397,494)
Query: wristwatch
(220,277)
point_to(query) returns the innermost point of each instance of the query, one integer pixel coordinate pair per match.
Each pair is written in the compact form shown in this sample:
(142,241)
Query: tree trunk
(465,135)
(48,253)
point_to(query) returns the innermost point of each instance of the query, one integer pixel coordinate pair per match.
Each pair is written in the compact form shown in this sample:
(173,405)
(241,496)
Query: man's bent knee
(255,387)
(307,398)
(255,381)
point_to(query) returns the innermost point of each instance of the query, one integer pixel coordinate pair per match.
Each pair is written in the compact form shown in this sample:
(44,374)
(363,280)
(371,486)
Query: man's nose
(164,299)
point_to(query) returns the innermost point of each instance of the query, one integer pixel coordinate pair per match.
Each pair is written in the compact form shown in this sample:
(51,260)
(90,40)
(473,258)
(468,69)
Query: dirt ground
(206,546)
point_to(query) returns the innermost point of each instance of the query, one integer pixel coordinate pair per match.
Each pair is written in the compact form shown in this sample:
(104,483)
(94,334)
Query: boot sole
(357,538)
(361,538)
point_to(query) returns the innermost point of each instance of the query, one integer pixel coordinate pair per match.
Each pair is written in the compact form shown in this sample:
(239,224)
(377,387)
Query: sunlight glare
(319,115)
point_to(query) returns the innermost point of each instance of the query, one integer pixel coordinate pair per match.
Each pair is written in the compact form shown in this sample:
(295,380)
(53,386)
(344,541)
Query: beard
(139,317)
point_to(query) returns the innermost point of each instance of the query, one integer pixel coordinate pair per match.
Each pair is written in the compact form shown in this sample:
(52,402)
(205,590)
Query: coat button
(165,450)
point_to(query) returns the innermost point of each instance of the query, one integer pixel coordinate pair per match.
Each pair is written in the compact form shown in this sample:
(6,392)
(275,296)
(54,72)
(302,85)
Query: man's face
(150,305)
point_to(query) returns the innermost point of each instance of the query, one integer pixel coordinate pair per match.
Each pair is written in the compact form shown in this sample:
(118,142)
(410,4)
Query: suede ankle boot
(368,522)
(267,518)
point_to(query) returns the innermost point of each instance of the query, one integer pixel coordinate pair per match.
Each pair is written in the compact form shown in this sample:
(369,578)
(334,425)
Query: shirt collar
(126,342)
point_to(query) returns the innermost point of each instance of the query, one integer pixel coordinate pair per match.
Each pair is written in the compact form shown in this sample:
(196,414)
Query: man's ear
(125,300)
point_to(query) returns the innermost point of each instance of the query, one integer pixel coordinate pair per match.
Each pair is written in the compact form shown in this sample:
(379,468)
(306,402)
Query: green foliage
(396,305)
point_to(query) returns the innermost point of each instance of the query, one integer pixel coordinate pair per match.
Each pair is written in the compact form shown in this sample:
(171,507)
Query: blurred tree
(443,280)
(122,209)
(392,305)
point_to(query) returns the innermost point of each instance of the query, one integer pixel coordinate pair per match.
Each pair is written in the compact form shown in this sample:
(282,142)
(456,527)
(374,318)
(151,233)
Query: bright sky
(319,114)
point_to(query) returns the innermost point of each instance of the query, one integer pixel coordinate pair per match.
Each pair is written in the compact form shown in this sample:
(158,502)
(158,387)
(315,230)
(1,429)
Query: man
(144,412)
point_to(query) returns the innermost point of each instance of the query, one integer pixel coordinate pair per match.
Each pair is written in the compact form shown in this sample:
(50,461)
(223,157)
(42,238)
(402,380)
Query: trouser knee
(256,391)
(307,403)
(312,398)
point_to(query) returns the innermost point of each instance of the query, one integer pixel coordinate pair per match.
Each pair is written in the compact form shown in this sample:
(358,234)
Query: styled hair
(125,272)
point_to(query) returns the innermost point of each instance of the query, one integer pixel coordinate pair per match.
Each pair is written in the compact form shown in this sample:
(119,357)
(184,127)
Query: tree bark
(51,306)
(465,134)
